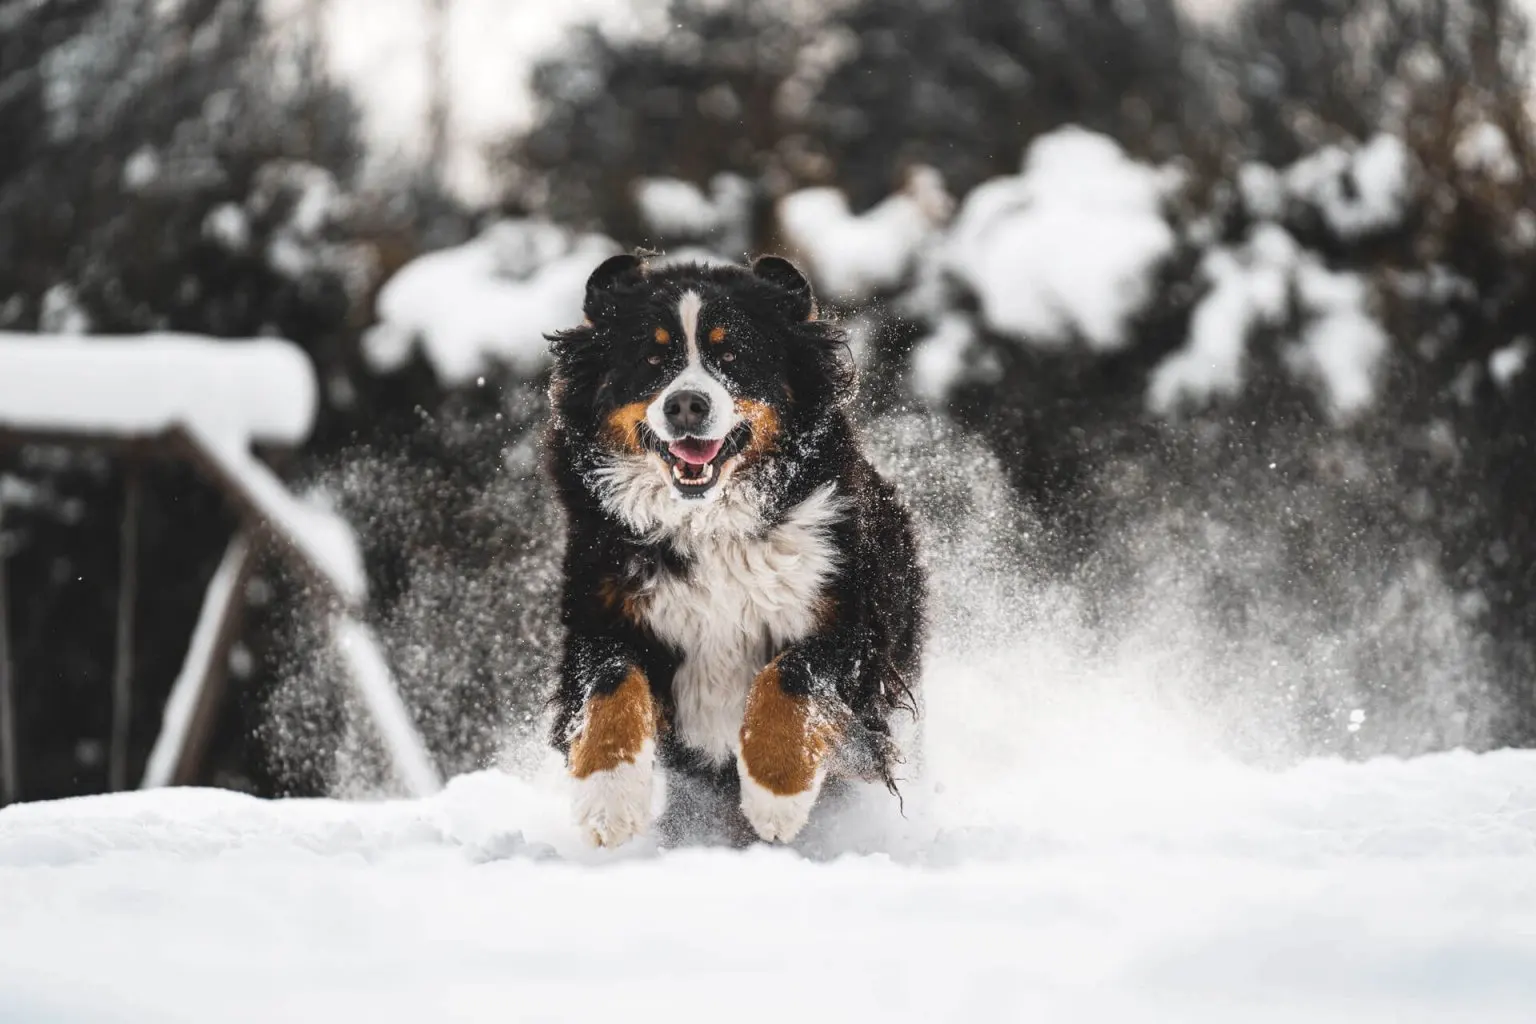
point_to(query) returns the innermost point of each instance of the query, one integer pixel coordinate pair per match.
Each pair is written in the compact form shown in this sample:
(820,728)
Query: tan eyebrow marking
(717,334)
(662,336)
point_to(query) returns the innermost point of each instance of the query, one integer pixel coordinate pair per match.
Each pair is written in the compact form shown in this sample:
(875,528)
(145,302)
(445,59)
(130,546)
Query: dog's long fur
(757,634)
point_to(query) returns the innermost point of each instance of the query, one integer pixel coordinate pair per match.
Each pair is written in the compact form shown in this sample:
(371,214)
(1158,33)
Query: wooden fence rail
(271,520)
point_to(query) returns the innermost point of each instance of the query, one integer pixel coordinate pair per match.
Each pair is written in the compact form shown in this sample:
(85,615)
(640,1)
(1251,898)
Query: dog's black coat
(862,660)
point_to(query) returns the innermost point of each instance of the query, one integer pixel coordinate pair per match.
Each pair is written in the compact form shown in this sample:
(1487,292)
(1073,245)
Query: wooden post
(191,710)
(263,503)
(10,784)
(122,666)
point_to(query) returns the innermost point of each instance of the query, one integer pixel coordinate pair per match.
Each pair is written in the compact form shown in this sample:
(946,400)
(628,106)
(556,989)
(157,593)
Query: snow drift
(1390,891)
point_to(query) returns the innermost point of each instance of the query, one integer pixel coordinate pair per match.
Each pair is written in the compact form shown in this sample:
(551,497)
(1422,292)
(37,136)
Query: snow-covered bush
(486,302)
(856,257)
(1062,256)
(675,213)
(1264,283)
(1065,252)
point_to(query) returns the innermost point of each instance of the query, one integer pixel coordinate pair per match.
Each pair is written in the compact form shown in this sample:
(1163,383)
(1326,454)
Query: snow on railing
(261,390)
(206,401)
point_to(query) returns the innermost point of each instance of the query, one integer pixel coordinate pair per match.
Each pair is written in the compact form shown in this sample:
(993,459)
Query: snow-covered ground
(1150,891)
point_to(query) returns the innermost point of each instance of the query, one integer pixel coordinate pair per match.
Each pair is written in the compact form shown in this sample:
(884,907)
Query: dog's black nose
(686,411)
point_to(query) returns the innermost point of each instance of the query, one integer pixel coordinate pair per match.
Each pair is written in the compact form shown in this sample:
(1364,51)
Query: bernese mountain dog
(742,602)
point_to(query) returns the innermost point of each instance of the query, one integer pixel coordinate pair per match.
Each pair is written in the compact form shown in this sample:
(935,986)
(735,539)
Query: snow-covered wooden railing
(205,402)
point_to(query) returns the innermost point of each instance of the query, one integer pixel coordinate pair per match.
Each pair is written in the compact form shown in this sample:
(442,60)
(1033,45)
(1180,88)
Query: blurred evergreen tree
(851,94)
(700,98)
(964,86)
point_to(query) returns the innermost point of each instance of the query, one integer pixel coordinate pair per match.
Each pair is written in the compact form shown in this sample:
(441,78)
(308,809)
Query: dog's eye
(727,357)
(654,360)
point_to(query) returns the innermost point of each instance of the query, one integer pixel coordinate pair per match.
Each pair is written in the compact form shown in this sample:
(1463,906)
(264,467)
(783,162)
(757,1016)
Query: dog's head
(697,375)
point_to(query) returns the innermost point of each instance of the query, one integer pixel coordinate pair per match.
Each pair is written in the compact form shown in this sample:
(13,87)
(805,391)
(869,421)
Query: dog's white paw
(613,806)
(776,817)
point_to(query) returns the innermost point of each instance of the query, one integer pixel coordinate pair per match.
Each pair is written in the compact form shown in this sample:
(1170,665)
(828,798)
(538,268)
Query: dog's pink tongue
(695,452)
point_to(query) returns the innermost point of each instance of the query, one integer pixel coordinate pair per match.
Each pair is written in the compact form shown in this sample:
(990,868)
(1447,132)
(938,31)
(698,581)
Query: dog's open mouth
(696,464)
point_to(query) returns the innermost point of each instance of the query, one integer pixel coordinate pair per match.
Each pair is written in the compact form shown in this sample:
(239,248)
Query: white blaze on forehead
(694,377)
(688,308)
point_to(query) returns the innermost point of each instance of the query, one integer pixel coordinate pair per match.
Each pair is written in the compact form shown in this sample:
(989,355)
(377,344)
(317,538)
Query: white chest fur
(744,600)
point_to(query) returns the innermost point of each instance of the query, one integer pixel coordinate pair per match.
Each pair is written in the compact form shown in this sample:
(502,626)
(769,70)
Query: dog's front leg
(612,717)
(792,725)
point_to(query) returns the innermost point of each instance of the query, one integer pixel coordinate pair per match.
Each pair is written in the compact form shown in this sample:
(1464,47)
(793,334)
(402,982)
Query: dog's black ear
(604,279)
(799,303)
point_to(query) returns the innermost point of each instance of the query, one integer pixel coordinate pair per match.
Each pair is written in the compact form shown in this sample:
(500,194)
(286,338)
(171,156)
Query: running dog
(742,603)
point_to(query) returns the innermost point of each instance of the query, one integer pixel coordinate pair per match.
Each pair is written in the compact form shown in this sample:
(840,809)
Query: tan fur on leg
(785,741)
(612,762)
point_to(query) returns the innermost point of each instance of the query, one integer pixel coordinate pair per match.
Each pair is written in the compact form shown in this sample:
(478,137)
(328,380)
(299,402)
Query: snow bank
(853,257)
(1399,891)
(489,300)
(1068,248)
(236,391)
(1253,286)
